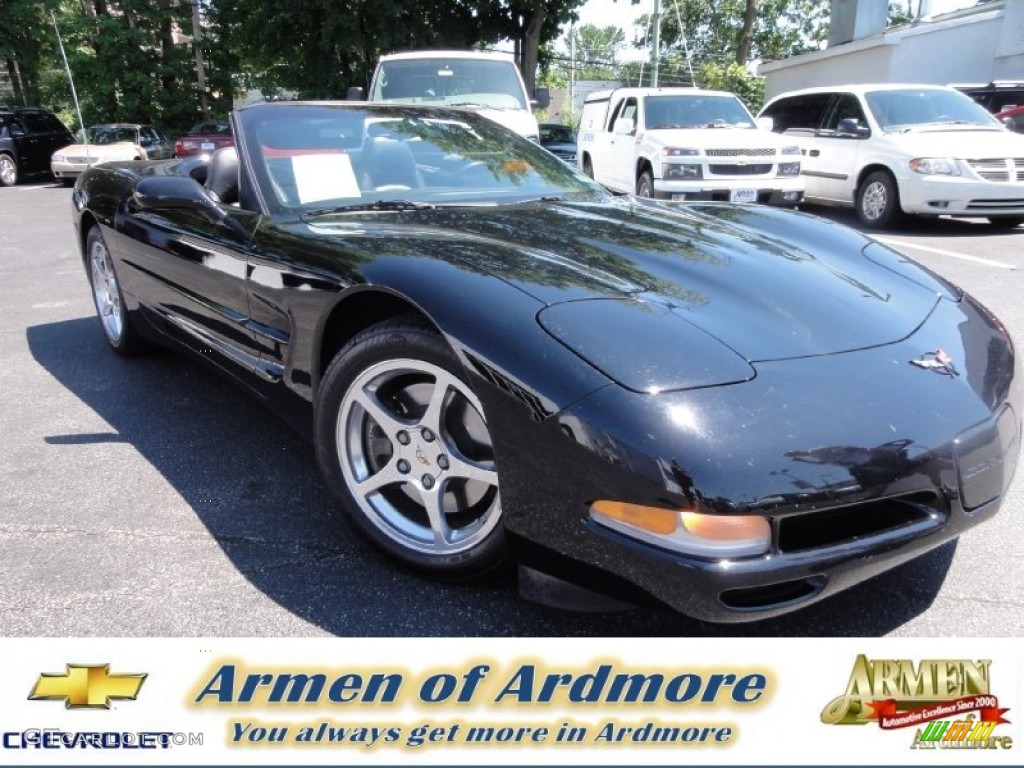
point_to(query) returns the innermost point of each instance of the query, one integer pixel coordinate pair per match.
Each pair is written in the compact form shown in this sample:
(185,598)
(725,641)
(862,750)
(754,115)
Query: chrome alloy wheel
(875,201)
(417,457)
(105,291)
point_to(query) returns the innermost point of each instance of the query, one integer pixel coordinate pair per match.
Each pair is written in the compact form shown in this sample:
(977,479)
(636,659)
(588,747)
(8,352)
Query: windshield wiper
(378,205)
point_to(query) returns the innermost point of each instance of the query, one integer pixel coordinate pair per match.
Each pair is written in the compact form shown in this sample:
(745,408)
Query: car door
(157,147)
(193,272)
(33,142)
(839,141)
(799,117)
(622,146)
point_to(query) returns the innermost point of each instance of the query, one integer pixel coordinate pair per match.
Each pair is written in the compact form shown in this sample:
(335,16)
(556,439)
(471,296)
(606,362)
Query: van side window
(845,107)
(799,115)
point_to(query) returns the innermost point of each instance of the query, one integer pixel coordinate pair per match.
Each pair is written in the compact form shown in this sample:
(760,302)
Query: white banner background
(784,728)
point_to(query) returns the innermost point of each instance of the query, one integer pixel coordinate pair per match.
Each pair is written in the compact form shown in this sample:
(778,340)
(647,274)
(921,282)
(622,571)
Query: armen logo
(83,686)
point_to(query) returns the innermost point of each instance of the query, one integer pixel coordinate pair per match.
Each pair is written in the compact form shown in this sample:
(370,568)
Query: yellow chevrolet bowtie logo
(87,686)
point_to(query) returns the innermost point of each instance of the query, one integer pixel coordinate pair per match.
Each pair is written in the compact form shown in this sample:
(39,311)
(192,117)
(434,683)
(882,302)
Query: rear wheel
(403,444)
(8,171)
(1005,222)
(108,298)
(878,201)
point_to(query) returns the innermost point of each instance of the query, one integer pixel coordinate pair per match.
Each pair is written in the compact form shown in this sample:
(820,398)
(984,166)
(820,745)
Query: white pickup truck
(685,144)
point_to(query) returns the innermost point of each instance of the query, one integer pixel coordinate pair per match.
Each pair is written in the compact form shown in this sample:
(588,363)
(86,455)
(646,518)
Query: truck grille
(998,168)
(754,169)
(761,152)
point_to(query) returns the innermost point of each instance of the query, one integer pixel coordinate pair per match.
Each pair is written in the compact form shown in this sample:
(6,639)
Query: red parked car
(204,139)
(1012,119)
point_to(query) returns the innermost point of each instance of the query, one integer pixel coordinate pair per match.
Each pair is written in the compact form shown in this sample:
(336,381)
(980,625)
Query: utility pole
(572,73)
(197,41)
(656,22)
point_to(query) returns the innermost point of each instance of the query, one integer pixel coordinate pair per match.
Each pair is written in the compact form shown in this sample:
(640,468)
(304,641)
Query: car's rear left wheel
(404,445)
(8,171)
(108,298)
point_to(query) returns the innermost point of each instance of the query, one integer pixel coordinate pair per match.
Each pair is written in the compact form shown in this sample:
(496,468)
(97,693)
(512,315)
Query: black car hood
(768,284)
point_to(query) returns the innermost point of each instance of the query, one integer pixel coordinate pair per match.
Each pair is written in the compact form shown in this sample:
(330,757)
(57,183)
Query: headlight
(935,166)
(57,159)
(680,172)
(691,533)
(679,151)
(790,150)
(789,169)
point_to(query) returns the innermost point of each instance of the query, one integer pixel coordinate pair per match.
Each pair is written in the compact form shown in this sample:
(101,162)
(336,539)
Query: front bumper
(70,170)
(861,461)
(960,196)
(774,191)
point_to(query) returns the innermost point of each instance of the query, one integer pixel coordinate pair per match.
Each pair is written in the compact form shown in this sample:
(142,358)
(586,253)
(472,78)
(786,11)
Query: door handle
(814,153)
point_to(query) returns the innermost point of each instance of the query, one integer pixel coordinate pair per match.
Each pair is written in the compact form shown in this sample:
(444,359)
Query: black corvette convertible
(735,410)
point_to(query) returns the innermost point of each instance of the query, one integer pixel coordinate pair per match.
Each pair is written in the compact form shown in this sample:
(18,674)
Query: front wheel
(588,167)
(108,298)
(404,445)
(878,201)
(645,185)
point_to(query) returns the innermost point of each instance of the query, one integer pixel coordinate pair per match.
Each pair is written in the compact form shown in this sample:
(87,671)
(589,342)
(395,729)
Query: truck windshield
(696,111)
(450,82)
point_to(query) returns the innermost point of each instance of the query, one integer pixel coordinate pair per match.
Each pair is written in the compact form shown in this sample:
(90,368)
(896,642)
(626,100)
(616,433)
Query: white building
(975,45)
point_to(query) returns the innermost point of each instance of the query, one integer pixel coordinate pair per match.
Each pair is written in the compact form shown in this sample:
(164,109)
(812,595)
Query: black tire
(67,181)
(1005,222)
(8,171)
(108,298)
(645,185)
(588,167)
(403,445)
(878,201)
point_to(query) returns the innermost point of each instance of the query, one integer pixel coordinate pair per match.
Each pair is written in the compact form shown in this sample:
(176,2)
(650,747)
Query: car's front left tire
(108,297)
(878,201)
(404,445)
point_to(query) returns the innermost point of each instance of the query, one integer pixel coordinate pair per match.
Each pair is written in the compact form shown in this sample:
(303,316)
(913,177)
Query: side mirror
(184,193)
(356,93)
(851,128)
(765,123)
(541,97)
(624,126)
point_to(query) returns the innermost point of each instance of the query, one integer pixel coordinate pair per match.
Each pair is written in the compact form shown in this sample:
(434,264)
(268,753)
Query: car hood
(768,284)
(959,141)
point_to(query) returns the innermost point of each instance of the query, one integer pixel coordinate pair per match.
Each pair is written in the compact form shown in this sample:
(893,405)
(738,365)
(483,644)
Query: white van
(891,149)
(488,83)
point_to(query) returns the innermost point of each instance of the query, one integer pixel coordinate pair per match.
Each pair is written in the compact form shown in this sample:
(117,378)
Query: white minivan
(894,149)
(488,83)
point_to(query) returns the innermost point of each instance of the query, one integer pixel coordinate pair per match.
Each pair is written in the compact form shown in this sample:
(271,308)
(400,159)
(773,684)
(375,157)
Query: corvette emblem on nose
(938,361)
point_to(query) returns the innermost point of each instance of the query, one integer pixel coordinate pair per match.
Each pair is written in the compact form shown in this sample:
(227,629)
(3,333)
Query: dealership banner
(511,701)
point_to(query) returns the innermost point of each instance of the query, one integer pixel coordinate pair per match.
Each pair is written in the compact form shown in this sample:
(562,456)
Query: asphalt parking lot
(150,498)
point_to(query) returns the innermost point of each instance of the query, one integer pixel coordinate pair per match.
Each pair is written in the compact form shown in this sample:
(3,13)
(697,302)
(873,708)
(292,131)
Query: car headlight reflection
(690,533)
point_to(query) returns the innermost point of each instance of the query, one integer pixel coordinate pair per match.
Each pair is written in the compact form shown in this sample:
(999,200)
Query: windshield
(696,111)
(906,109)
(450,82)
(316,156)
(110,134)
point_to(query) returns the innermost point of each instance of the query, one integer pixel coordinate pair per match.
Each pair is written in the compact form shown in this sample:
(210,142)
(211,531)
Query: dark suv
(28,136)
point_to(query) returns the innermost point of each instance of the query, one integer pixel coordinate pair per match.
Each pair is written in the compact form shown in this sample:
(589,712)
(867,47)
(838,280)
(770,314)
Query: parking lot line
(942,252)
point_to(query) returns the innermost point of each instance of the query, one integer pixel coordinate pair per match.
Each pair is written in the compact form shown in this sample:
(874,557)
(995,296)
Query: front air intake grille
(755,169)
(761,152)
(856,522)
